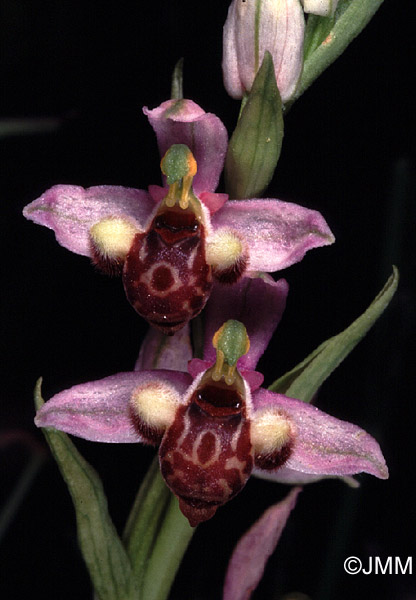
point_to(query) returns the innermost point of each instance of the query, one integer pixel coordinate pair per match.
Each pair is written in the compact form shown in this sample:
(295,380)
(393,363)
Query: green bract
(255,145)
(304,380)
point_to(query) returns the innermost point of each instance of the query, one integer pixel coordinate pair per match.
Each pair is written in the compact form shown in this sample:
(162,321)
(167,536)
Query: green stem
(171,544)
(351,18)
(156,536)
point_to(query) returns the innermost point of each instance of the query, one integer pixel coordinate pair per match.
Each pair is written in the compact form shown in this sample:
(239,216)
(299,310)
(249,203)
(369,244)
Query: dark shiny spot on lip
(174,225)
(218,401)
(162,279)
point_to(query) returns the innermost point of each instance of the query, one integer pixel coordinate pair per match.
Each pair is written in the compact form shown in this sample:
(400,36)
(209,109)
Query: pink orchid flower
(215,425)
(171,243)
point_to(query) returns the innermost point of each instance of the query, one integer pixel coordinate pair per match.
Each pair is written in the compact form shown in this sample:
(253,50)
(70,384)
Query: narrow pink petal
(197,366)
(277,233)
(184,122)
(157,192)
(98,410)
(253,378)
(258,303)
(253,550)
(324,445)
(71,210)
(160,351)
(213,201)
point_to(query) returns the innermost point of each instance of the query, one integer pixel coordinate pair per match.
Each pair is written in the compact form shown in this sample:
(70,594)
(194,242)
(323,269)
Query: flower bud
(251,28)
(323,8)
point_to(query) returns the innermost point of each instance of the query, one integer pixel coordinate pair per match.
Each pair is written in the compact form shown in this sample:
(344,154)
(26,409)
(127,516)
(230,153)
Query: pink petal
(160,351)
(213,201)
(250,556)
(157,192)
(197,366)
(184,122)
(258,303)
(253,378)
(277,233)
(71,210)
(324,445)
(98,410)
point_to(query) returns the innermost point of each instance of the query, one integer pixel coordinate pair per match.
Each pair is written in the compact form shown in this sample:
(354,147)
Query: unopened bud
(323,8)
(251,28)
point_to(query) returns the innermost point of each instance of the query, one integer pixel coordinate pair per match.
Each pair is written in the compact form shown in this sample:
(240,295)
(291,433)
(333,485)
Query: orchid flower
(170,243)
(215,425)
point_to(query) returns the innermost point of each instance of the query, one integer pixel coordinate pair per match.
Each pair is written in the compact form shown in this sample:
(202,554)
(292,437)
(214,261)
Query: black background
(348,152)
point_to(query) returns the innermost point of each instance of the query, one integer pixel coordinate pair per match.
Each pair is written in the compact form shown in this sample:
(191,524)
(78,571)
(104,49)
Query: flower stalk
(156,536)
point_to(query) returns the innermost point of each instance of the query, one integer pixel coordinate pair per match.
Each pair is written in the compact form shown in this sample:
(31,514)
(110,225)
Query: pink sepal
(255,301)
(184,122)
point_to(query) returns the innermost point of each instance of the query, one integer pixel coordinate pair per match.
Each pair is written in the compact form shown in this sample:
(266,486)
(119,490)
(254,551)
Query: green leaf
(156,536)
(326,38)
(255,145)
(304,380)
(103,552)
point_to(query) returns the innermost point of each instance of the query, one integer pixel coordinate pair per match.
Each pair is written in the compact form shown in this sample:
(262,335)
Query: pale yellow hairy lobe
(224,249)
(155,403)
(270,431)
(113,237)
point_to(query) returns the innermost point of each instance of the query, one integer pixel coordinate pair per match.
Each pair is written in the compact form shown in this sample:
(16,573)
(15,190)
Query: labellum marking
(206,455)
(161,283)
